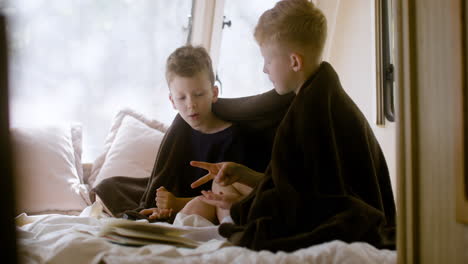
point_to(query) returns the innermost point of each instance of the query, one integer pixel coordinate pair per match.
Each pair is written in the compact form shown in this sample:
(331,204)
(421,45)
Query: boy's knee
(193,206)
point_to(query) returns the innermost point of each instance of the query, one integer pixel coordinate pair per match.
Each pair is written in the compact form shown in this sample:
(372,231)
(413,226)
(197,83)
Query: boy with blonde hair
(327,178)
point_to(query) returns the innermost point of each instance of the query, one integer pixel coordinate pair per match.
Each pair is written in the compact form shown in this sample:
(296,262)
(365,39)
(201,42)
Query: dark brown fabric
(327,179)
(257,116)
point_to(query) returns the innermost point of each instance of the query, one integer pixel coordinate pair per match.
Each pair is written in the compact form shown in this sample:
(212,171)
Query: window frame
(385,80)
(206,26)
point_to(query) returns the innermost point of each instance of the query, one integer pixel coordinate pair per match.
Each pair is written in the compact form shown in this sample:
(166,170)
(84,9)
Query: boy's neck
(306,74)
(213,125)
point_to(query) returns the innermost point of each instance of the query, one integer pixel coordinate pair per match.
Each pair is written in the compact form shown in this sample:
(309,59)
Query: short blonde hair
(187,61)
(297,22)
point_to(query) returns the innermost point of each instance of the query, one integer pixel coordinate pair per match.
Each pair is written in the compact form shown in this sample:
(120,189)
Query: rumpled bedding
(73,239)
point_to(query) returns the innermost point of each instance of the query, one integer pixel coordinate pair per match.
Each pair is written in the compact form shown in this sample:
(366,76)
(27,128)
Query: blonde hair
(296,22)
(187,61)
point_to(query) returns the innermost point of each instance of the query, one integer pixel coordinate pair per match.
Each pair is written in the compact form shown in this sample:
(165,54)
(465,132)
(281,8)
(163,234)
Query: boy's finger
(207,193)
(142,211)
(155,215)
(202,180)
(211,196)
(161,189)
(146,211)
(160,199)
(162,194)
(203,165)
(206,200)
(221,177)
(161,205)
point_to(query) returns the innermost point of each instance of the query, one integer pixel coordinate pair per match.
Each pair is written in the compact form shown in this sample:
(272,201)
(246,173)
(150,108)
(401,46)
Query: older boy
(327,177)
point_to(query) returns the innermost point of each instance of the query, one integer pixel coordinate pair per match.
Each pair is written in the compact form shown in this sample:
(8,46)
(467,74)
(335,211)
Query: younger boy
(327,177)
(190,79)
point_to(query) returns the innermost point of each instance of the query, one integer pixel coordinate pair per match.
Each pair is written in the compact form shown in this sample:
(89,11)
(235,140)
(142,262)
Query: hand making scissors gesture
(226,173)
(223,173)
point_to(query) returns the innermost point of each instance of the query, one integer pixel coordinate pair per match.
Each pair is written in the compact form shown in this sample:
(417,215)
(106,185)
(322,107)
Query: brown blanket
(327,179)
(257,116)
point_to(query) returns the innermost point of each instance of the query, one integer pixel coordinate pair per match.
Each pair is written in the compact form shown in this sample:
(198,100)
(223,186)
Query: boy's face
(193,98)
(278,65)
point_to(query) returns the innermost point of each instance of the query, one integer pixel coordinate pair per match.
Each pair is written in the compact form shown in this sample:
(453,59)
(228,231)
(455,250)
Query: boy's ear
(215,93)
(172,101)
(296,61)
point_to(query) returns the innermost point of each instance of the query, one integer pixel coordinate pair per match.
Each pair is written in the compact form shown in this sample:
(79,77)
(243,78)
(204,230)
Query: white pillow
(48,170)
(130,149)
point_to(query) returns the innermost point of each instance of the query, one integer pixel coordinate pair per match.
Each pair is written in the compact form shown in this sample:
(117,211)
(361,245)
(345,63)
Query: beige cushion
(130,148)
(48,169)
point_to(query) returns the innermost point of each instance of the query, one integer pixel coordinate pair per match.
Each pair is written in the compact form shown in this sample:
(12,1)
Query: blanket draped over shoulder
(327,178)
(257,116)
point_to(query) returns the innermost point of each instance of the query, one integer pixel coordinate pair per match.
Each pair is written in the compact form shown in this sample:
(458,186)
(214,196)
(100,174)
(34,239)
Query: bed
(58,219)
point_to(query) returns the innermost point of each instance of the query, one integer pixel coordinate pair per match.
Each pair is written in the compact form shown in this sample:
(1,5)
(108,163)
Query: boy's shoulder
(322,80)
(323,97)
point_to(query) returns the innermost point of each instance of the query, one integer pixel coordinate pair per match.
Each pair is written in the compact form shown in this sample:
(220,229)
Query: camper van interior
(85,98)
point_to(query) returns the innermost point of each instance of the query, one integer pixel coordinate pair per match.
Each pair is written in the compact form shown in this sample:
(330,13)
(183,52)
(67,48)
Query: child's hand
(227,173)
(157,213)
(165,199)
(223,173)
(223,201)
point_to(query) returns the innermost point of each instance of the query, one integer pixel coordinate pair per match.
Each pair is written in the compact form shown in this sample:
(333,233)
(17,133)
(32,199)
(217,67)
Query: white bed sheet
(72,239)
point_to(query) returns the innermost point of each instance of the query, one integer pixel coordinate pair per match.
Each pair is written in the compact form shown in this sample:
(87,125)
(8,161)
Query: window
(84,60)
(240,67)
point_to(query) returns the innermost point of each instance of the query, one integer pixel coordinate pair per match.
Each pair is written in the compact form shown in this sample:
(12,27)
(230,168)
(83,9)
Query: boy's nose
(265,69)
(191,104)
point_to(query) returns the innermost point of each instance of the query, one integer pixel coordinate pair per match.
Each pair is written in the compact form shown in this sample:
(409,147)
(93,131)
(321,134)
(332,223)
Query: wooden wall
(430,133)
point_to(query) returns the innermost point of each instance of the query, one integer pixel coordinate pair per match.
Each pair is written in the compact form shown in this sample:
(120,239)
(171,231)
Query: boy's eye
(181,98)
(199,94)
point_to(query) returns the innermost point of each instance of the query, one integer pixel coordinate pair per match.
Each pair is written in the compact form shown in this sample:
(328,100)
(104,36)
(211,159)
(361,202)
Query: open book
(138,233)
